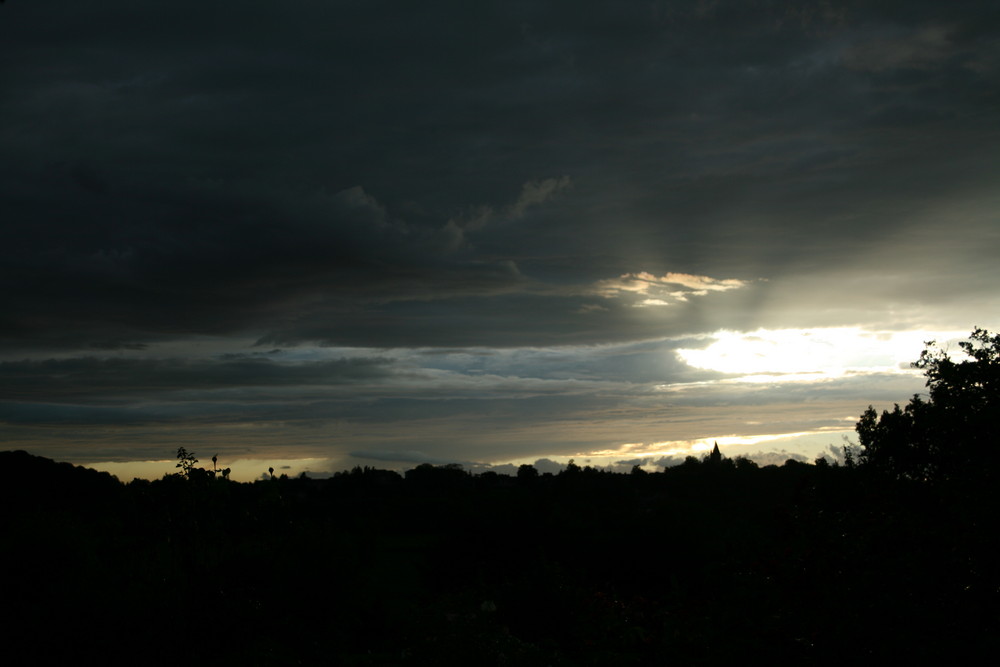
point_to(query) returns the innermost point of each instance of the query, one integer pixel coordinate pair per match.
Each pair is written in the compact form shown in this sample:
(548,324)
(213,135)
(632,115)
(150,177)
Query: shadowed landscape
(891,556)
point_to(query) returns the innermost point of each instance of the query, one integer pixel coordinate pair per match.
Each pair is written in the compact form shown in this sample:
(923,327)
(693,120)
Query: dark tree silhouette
(951,435)
(185,461)
(448,567)
(526,471)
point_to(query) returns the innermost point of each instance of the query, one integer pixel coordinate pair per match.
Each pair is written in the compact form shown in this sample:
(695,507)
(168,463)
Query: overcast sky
(329,233)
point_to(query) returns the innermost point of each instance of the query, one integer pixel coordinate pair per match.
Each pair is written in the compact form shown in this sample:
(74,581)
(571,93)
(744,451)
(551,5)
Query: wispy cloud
(891,48)
(533,193)
(646,289)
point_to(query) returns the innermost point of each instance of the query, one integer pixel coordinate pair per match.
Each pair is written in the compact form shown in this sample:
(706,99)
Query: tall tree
(950,436)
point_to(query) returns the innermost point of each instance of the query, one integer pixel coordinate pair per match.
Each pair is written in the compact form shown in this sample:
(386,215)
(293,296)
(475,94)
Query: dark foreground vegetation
(892,558)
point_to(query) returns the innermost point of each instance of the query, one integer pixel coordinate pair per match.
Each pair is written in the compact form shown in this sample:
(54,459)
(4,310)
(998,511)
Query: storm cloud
(551,196)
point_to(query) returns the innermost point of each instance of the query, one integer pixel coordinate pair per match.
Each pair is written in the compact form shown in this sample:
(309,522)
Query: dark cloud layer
(82,377)
(305,171)
(458,175)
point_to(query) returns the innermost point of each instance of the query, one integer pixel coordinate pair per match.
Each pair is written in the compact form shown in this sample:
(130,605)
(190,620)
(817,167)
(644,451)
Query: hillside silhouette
(712,562)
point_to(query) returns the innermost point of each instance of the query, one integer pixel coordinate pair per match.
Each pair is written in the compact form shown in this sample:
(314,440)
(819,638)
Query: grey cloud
(633,363)
(661,461)
(533,193)
(628,463)
(96,378)
(895,47)
(406,457)
(776,458)
(834,454)
(55,414)
(548,466)
(508,469)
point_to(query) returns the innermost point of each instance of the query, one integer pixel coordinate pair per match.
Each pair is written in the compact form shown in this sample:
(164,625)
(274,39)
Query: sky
(312,235)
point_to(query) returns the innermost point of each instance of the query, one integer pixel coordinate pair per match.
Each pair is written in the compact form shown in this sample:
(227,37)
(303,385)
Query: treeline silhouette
(714,561)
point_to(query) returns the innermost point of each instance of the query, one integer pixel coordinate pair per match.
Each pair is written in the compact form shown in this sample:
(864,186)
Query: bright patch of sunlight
(662,290)
(770,355)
